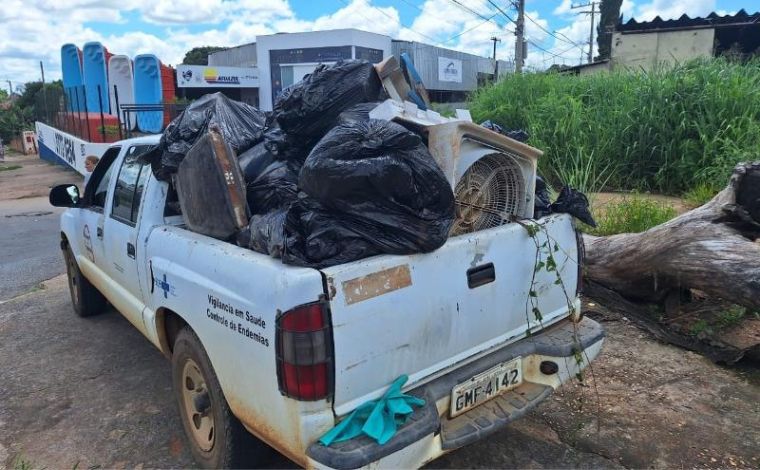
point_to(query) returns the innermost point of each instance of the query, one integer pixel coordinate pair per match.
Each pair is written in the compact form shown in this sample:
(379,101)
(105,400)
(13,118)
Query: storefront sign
(449,70)
(200,76)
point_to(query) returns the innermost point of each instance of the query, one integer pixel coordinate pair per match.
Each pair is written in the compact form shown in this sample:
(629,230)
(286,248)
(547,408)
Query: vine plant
(547,250)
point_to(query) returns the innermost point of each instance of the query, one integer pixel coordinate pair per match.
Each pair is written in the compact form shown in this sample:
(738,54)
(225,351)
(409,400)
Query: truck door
(92,213)
(121,228)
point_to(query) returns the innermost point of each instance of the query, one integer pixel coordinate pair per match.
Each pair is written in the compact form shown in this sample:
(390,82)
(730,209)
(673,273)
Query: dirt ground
(34,178)
(93,393)
(600,200)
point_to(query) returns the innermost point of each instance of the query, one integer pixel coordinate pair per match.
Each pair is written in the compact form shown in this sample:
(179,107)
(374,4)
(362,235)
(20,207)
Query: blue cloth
(377,419)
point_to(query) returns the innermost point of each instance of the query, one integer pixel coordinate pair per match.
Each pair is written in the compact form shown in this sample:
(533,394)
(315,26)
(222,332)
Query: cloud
(169,28)
(672,9)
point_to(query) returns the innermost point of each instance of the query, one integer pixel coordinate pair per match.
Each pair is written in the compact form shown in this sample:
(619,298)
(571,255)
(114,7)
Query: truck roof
(152,139)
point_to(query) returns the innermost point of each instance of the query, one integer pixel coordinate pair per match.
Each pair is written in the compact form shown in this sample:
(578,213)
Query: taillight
(304,352)
(581,255)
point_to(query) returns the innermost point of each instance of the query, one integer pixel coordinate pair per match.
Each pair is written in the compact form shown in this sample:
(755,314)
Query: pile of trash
(316,182)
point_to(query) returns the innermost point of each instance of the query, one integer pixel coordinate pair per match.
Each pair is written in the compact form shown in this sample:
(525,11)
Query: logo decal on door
(88,243)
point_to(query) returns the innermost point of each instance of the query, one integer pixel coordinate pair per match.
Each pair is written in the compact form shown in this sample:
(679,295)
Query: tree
(30,90)
(712,249)
(3,95)
(199,55)
(14,120)
(610,13)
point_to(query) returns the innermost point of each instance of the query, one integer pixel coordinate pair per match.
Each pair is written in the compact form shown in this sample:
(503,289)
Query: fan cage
(490,193)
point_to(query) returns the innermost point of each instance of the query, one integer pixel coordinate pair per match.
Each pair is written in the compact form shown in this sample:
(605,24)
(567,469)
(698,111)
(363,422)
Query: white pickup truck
(263,351)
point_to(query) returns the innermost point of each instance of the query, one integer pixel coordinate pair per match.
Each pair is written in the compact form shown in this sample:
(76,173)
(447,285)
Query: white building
(258,72)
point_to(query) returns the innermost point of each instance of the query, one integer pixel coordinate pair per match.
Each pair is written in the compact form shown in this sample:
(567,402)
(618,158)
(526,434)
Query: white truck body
(389,315)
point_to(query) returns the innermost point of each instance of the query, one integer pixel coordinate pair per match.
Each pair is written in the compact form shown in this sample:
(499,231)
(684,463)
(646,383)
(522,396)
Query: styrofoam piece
(407,111)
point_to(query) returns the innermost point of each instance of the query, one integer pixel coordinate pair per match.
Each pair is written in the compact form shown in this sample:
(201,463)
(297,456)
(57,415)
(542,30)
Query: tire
(215,436)
(85,298)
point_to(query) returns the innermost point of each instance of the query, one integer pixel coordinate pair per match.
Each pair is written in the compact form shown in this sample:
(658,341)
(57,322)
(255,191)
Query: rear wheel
(217,439)
(85,298)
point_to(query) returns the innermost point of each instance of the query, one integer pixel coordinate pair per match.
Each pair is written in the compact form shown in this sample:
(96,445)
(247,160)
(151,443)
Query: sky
(34,30)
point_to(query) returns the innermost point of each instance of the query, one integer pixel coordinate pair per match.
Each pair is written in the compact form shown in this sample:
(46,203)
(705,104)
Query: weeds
(700,326)
(9,167)
(631,215)
(700,194)
(666,130)
(730,317)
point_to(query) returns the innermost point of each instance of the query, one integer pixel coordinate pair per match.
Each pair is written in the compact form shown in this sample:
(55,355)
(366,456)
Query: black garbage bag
(748,196)
(287,147)
(241,126)
(265,233)
(381,174)
(542,201)
(318,237)
(358,112)
(516,134)
(575,203)
(309,108)
(270,184)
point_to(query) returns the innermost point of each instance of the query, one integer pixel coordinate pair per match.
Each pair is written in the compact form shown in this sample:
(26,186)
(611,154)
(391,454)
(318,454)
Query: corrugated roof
(713,19)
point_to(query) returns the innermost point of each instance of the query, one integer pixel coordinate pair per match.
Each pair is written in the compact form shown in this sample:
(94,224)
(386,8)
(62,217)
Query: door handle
(131,250)
(481,275)
(99,232)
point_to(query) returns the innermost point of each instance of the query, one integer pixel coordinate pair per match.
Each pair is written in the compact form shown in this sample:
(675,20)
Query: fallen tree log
(713,248)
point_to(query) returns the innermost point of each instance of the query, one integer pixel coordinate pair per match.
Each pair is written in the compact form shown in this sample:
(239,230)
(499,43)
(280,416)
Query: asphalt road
(30,245)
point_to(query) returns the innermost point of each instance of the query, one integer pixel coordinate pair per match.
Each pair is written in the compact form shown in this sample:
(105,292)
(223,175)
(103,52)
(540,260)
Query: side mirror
(64,195)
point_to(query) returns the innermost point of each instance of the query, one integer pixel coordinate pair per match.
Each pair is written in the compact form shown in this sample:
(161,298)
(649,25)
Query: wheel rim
(197,405)
(73,280)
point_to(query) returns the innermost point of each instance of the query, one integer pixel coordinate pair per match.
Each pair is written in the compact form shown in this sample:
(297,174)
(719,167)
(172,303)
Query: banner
(449,70)
(59,147)
(201,76)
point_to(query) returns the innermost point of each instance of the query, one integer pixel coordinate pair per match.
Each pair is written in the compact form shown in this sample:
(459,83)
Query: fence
(67,109)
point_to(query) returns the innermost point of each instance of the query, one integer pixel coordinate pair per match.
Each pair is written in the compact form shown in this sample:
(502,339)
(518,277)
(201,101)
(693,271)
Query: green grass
(700,194)
(700,326)
(9,167)
(631,215)
(667,130)
(731,317)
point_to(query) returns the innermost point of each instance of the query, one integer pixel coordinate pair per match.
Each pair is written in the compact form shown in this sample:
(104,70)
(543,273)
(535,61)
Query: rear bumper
(430,433)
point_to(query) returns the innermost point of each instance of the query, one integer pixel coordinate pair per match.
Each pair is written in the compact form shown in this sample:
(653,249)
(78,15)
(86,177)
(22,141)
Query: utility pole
(593,5)
(495,62)
(520,36)
(44,93)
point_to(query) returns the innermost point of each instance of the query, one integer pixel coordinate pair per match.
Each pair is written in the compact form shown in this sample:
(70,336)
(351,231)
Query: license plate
(485,386)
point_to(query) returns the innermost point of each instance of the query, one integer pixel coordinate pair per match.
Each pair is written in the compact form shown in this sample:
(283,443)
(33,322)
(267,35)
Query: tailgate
(423,314)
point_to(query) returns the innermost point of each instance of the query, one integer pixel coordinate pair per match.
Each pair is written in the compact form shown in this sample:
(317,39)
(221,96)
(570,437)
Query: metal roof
(684,22)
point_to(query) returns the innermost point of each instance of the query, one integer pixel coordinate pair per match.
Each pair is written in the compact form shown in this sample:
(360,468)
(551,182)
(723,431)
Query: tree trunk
(714,249)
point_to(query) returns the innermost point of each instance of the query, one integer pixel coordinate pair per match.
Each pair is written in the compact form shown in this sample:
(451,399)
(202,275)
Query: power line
(485,20)
(501,11)
(550,52)
(552,34)
(475,27)
(482,17)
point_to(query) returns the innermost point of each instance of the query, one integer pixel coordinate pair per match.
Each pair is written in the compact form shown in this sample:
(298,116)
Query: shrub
(666,130)
(631,215)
